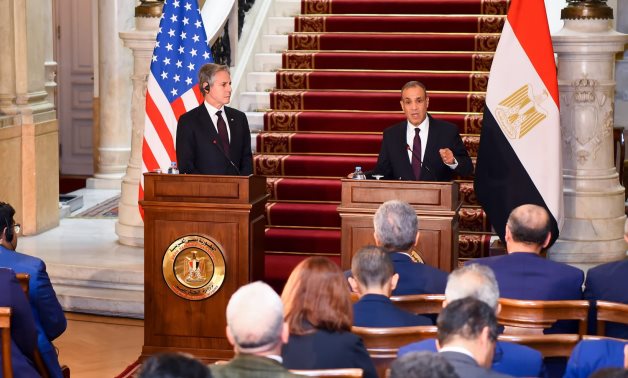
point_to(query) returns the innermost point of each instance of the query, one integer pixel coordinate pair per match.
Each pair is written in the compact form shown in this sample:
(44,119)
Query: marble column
(621,95)
(114,87)
(594,199)
(130,227)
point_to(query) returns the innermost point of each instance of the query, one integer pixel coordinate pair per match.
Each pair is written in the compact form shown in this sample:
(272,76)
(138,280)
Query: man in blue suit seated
(478,281)
(47,311)
(374,279)
(591,355)
(23,331)
(524,274)
(607,282)
(397,231)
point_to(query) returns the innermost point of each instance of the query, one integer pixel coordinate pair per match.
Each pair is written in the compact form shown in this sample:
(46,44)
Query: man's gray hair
(396,225)
(255,317)
(475,281)
(208,72)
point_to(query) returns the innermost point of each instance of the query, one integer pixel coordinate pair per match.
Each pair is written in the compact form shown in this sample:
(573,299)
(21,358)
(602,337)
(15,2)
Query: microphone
(419,159)
(215,142)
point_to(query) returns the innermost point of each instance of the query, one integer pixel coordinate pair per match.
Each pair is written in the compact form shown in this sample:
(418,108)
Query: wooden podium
(226,213)
(436,205)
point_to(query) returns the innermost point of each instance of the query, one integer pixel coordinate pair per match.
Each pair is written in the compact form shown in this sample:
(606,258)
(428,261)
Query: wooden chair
(554,345)
(420,303)
(383,343)
(23,279)
(338,373)
(610,312)
(5,327)
(521,317)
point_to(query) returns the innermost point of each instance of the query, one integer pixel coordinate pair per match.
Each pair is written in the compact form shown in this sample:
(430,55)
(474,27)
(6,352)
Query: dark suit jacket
(467,367)
(23,329)
(327,350)
(250,366)
(393,160)
(607,282)
(417,278)
(373,310)
(198,148)
(510,358)
(522,275)
(47,311)
(591,355)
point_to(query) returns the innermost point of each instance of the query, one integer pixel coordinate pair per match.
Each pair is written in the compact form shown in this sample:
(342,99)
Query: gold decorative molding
(472,143)
(311,24)
(476,102)
(478,82)
(283,121)
(494,7)
(467,193)
(270,165)
(472,245)
(473,219)
(473,124)
(276,143)
(299,60)
(482,62)
(305,41)
(491,24)
(293,80)
(288,100)
(317,6)
(486,42)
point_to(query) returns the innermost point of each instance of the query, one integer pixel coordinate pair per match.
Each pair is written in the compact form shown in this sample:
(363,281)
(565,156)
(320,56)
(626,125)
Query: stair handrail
(215,14)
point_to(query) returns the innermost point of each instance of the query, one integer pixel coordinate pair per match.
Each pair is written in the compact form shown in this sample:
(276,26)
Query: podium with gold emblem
(203,239)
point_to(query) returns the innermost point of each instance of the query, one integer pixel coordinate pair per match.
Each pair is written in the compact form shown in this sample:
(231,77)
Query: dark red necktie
(222,132)
(416,154)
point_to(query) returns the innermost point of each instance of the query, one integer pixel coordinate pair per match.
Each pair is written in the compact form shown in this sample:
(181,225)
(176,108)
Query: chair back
(610,312)
(384,343)
(554,345)
(532,317)
(5,330)
(23,279)
(338,373)
(420,303)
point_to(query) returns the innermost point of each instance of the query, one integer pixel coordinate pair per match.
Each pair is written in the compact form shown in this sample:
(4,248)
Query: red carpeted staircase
(339,87)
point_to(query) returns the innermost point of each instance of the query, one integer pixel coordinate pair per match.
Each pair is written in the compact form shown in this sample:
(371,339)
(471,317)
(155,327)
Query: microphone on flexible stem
(215,142)
(419,159)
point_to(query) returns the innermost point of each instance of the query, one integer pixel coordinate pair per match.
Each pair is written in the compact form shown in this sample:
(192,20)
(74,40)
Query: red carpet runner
(339,88)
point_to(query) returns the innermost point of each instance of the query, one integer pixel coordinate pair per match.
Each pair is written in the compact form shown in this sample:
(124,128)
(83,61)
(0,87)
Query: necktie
(416,154)
(222,132)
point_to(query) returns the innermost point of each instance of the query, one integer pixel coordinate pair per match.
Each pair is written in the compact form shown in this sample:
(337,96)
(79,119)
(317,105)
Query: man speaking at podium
(421,148)
(214,139)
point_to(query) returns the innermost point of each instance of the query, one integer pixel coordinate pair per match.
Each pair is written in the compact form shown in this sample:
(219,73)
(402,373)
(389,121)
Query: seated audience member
(397,231)
(607,282)
(591,355)
(467,332)
(23,331)
(319,314)
(47,311)
(422,365)
(257,331)
(374,279)
(173,365)
(478,281)
(523,274)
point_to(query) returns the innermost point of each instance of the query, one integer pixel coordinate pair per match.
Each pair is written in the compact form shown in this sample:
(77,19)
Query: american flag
(180,51)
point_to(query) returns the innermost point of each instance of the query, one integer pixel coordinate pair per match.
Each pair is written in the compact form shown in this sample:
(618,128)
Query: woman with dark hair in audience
(318,310)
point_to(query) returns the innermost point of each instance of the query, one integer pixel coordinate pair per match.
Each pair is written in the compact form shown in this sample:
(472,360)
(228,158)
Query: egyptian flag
(519,158)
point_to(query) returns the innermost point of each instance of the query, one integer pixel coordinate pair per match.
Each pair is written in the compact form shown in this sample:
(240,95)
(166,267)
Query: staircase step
(302,214)
(371,100)
(379,60)
(254,101)
(274,43)
(278,267)
(311,165)
(280,143)
(260,81)
(369,80)
(390,41)
(287,8)
(405,7)
(303,189)
(356,121)
(301,240)
(267,62)
(414,23)
(280,25)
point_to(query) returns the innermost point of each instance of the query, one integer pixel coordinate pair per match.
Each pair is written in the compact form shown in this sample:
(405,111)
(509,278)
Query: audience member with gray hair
(478,281)
(257,331)
(374,280)
(397,231)
(173,365)
(422,365)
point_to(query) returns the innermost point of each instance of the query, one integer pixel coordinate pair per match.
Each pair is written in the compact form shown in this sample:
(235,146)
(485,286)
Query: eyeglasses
(17,228)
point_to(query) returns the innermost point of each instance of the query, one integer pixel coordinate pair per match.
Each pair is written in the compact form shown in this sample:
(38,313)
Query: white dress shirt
(212,114)
(424,129)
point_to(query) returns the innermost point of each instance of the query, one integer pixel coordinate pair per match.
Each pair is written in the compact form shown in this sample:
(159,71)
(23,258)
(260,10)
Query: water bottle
(358,174)
(173,170)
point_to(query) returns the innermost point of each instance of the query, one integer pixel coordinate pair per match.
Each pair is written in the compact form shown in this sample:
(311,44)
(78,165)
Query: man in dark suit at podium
(214,139)
(421,148)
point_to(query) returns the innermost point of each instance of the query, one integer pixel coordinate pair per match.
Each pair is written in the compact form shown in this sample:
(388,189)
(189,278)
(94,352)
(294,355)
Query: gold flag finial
(149,8)
(586,9)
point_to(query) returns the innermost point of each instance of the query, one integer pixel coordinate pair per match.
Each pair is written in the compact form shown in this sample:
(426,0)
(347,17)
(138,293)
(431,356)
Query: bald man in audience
(478,281)
(467,333)
(523,273)
(374,280)
(397,231)
(607,282)
(257,331)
